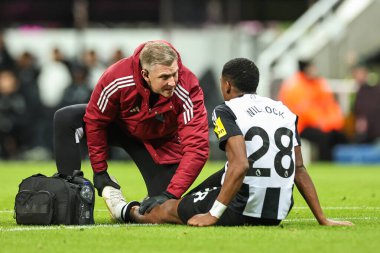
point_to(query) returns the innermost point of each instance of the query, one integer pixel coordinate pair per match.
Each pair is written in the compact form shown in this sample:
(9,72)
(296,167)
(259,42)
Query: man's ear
(228,87)
(145,75)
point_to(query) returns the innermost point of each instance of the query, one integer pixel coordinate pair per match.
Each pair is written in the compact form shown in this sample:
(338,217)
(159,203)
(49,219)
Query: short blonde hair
(157,52)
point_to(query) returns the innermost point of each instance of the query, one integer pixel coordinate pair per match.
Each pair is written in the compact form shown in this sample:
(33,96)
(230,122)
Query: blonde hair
(157,52)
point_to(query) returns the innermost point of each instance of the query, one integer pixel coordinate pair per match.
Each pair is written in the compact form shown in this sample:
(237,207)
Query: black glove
(151,202)
(101,180)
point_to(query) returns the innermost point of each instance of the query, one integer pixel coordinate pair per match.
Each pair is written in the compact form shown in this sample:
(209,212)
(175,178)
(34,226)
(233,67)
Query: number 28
(283,151)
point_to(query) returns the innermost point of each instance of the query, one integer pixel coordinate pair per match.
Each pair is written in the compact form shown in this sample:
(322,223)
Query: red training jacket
(175,130)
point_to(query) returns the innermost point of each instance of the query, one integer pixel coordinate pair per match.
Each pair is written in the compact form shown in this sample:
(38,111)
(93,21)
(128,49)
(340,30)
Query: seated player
(255,187)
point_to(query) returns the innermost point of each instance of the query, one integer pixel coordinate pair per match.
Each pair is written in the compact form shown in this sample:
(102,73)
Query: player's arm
(306,188)
(237,169)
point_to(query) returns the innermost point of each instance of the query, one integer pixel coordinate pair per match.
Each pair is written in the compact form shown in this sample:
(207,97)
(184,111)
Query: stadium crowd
(30,93)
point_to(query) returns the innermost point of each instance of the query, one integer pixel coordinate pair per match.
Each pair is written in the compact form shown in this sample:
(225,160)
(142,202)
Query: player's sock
(126,209)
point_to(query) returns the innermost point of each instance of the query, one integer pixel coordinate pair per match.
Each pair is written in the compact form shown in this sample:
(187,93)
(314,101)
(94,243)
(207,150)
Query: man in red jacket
(150,105)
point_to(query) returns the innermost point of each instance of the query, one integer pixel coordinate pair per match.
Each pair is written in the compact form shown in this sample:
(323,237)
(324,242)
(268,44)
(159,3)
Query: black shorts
(202,201)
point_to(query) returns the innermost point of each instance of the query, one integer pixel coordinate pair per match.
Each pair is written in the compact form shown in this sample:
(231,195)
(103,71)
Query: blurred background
(53,52)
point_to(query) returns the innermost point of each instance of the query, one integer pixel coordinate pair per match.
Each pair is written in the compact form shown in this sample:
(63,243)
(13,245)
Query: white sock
(120,209)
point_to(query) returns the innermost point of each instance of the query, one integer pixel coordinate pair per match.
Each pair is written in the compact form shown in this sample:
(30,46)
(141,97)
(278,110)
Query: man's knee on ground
(63,116)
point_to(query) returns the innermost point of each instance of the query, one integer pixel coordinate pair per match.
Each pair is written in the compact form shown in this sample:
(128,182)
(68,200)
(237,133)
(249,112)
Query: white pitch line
(11,211)
(70,227)
(336,218)
(342,207)
(296,207)
(39,228)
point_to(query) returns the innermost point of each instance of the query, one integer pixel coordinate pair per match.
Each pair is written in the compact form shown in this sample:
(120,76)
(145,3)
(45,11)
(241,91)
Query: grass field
(346,192)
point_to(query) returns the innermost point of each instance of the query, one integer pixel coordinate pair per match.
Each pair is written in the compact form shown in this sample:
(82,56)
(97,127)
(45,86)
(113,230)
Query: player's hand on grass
(329,222)
(202,220)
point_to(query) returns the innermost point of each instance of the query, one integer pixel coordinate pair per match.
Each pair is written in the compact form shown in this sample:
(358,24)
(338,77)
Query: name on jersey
(254,110)
(219,128)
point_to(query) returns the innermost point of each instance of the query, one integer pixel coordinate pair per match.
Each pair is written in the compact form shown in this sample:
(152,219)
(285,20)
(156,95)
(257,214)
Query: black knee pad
(69,117)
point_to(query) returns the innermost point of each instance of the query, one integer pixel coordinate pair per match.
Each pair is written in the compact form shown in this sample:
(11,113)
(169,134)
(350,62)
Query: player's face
(162,79)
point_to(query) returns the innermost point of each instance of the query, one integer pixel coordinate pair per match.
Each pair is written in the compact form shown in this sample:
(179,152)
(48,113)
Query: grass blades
(346,192)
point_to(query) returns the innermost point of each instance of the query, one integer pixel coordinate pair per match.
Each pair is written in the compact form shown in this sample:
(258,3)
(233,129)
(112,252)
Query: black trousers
(67,149)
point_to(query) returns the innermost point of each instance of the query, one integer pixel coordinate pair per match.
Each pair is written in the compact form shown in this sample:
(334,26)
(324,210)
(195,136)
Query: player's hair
(157,52)
(242,73)
(303,65)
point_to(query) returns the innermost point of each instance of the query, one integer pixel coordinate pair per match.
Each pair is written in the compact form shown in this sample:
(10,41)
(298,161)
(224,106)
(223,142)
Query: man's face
(162,79)
(312,71)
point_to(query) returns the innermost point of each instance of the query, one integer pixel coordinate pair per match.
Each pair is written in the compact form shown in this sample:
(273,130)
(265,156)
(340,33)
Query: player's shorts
(202,201)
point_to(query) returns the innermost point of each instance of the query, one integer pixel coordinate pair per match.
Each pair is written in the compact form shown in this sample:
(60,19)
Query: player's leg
(202,201)
(215,180)
(68,132)
(168,211)
(180,211)
(160,214)
(197,203)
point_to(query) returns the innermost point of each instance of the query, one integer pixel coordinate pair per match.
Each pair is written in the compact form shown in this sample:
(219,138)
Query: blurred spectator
(366,108)
(27,74)
(54,78)
(320,117)
(79,91)
(12,112)
(94,66)
(6,61)
(116,56)
(209,85)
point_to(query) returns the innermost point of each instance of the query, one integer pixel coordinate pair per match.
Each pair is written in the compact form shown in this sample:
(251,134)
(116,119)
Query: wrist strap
(217,209)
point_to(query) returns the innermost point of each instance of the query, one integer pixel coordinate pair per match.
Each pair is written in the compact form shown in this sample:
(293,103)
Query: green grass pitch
(349,192)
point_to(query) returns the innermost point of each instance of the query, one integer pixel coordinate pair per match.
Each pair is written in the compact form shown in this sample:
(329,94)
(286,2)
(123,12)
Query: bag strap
(76,173)
(59,175)
(76,178)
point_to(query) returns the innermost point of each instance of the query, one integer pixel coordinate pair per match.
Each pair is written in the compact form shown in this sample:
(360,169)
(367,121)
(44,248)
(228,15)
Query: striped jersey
(270,132)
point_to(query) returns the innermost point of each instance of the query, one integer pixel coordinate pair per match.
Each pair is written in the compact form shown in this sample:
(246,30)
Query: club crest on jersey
(219,128)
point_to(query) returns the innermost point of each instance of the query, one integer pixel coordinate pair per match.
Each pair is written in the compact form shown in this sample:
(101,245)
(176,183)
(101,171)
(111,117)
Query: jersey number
(284,151)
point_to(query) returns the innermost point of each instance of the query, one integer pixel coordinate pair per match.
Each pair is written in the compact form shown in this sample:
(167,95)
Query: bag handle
(76,173)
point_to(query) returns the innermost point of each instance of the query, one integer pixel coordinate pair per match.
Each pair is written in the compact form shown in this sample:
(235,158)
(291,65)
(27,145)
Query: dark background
(59,13)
